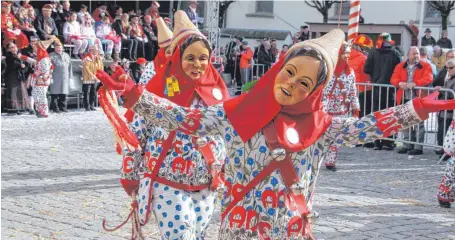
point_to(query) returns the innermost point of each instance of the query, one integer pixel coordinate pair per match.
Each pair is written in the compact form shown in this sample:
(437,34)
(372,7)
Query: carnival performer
(11,28)
(42,77)
(276,136)
(340,98)
(182,173)
(446,193)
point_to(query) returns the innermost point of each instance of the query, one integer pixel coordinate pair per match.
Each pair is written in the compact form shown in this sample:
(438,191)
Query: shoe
(378,147)
(75,56)
(444,204)
(439,151)
(415,152)
(19,113)
(87,108)
(368,145)
(31,112)
(63,110)
(403,150)
(108,57)
(330,167)
(92,109)
(56,111)
(388,147)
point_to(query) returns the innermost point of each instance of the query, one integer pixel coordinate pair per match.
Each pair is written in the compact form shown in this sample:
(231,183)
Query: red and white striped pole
(354,14)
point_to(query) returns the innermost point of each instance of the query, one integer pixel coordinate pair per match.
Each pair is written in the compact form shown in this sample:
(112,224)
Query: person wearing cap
(73,35)
(91,63)
(45,24)
(380,65)
(108,35)
(182,173)
(150,31)
(340,98)
(276,136)
(246,57)
(11,28)
(428,40)
(137,33)
(61,76)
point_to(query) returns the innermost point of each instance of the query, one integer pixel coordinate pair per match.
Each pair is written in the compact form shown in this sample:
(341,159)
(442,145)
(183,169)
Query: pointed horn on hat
(329,47)
(182,28)
(164,33)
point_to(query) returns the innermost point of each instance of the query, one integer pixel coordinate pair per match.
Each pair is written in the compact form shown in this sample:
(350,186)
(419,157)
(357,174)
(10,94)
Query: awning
(255,33)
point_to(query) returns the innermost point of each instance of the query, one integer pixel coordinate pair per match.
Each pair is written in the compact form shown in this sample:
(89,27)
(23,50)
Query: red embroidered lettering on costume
(251,215)
(237,217)
(387,122)
(178,164)
(264,230)
(128,164)
(236,191)
(177,146)
(269,199)
(294,226)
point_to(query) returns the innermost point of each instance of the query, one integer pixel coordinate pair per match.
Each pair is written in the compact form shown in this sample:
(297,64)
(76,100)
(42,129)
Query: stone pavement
(60,179)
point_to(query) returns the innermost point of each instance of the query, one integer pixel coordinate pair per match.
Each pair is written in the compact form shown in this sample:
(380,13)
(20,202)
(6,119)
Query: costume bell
(276,137)
(446,193)
(181,172)
(340,98)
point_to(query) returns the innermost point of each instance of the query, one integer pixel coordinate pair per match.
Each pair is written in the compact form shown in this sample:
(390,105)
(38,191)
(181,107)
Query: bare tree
(224,5)
(323,7)
(444,7)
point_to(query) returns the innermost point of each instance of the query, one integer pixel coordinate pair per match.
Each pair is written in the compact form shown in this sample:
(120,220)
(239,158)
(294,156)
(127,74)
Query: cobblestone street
(60,179)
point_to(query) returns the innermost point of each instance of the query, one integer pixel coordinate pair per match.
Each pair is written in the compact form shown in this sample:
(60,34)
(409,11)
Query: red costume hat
(210,87)
(258,108)
(363,41)
(141,61)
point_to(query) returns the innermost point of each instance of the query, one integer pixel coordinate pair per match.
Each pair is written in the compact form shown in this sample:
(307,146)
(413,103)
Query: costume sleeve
(197,122)
(381,124)
(133,160)
(352,93)
(449,141)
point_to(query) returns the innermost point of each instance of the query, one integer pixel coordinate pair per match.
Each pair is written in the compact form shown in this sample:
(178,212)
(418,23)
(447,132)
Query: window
(264,7)
(344,9)
(431,15)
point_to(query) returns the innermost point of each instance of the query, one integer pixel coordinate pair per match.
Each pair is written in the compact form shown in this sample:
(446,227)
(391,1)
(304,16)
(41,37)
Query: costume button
(217,94)
(292,135)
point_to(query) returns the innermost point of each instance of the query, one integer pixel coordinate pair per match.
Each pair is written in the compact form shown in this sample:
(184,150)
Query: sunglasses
(450,68)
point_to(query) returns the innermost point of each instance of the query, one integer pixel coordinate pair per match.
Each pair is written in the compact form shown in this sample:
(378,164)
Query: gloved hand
(430,104)
(125,83)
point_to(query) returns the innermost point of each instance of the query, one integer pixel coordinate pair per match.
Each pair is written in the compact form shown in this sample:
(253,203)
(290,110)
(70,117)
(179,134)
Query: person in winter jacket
(408,74)
(245,62)
(428,40)
(445,42)
(438,58)
(379,65)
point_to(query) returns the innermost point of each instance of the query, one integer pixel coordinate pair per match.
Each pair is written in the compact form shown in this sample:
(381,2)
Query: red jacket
(423,76)
(357,62)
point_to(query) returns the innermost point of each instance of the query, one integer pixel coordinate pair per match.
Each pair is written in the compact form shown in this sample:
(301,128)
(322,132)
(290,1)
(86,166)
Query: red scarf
(203,86)
(251,112)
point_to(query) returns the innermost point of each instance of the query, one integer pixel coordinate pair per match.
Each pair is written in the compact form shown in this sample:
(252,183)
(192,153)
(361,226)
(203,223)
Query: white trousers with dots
(179,214)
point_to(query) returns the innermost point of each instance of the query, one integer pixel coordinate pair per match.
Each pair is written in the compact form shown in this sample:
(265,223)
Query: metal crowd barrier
(382,96)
